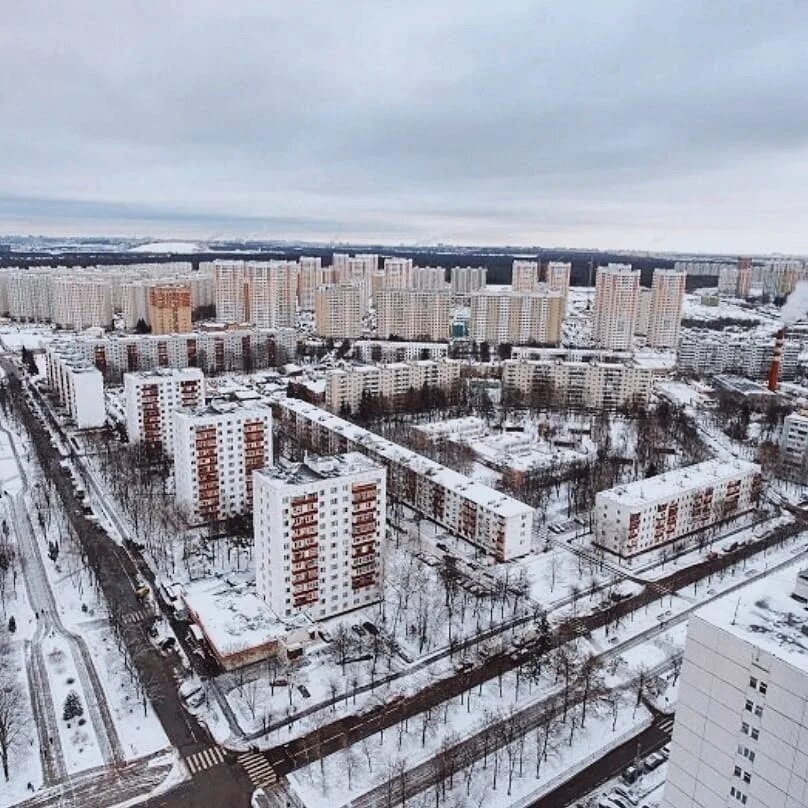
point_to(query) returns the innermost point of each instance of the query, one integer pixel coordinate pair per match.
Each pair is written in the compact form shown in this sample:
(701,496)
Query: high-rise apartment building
(524,276)
(169,308)
(309,278)
(741,722)
(229,289)
(216,450)
(80,303)
(397,273)
(271,293)
(319,526)
(77,385)
(466,280)
(646,514)
(557,277)
(643,312)
(516,317)
(429,278)
(338,312)
(794,446)
(617,290)
(151,398)
(413,314)
(665,312)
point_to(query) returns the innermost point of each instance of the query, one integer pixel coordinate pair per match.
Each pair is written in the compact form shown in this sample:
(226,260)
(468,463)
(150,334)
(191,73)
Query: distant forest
(498,260)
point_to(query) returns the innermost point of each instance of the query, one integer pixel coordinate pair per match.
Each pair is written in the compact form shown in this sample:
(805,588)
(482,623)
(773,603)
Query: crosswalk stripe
(258,768)
(204,759)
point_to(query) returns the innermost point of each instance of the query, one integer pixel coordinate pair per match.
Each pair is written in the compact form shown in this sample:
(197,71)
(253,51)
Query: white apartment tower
(151,397)
(338,312)
(429,278)
(741,721)
(77,385)
(229,291)
(665,312)
(271,293)
(413,314)
(516,317)
(397,273)
(308,280)
(466,280)
(80,303)
(617,290)
(557,277)
(319,527)
(525,276)
(216,450)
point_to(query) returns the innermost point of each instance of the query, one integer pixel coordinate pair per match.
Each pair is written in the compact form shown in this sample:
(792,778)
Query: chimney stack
(777,356)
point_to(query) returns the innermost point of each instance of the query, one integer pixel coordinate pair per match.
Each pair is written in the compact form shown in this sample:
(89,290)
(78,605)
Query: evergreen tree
(72,708)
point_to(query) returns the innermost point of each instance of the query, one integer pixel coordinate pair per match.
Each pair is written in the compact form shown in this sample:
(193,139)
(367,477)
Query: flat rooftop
(765,615)
(672,483)
(319,467)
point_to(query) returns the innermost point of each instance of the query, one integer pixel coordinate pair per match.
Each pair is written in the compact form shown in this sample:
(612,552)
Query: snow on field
(167,247)
(9,473)
(79,743)
(15,337)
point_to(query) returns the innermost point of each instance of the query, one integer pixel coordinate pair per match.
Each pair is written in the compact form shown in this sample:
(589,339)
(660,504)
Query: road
(225,782)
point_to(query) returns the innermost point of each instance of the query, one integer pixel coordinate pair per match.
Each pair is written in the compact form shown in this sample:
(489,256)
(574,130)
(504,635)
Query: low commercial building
(646,514)
(346,387)
(319,527)
(77,385)
(488,519)
(216,450)
(741,723)
(794,446)
(151,397)
(594,384)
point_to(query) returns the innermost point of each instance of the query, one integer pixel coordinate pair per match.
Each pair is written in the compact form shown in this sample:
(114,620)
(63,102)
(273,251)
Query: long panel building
(492,521)
(646,514)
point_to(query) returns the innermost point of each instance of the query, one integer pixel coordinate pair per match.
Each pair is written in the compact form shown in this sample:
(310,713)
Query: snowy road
(41,598)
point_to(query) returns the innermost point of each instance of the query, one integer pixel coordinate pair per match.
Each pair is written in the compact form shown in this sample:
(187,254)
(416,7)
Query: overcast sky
(646,125)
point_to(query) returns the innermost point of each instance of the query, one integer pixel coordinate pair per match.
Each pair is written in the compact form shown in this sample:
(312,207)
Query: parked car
(631,774)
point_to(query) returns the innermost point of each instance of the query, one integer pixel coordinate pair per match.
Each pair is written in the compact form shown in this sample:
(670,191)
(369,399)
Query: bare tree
(12,722)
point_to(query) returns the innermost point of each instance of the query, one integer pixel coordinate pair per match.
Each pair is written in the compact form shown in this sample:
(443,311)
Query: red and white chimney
(777,357)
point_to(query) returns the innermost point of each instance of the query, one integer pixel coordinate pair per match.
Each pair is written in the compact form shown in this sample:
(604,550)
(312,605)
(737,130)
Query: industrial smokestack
(777,357)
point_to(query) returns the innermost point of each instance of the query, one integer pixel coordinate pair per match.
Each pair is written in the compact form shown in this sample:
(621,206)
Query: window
(758,710)
(752,682)
(763,687)
(755,734)
(744,728)
(748,706)
(737,772)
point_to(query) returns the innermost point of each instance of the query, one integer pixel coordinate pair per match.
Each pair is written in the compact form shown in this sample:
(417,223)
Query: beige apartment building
(169,308)
(413,314)
(338,311)
(617,293)
(515,317)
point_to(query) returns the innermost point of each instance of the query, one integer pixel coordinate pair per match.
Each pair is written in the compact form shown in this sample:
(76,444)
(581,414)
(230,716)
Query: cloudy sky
(645,125)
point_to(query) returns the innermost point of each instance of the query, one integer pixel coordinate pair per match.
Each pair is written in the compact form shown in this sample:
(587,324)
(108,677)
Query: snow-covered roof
(482,495)
(233,620)
(315,468)
(673,483)
(765,615)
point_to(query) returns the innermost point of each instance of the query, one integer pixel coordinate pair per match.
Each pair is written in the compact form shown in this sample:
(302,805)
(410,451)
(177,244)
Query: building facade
(665,311)
(741,723)
(589,385)
(794,447)
(216,450)
(319,528)
(647,514)
(76,384)
(170,308)
(617,290)
(524,276)
(338,312)
(150,399)
(516,317)
(467,280)
(412,314)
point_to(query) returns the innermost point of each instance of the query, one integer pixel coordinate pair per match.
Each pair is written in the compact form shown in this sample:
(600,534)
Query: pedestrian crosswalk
(666,723)
(259,769)
(205,759)
(134,617)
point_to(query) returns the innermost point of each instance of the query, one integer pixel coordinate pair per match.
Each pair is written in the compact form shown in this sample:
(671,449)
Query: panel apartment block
(319,527)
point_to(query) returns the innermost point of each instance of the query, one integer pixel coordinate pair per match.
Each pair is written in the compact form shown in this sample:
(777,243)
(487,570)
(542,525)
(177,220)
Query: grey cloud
(622,123)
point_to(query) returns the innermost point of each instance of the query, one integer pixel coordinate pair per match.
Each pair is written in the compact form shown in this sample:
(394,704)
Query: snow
(168,247)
